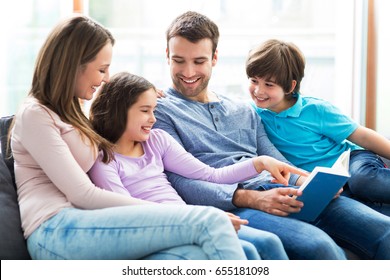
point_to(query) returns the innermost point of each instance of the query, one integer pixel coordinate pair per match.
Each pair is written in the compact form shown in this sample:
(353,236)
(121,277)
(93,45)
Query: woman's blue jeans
(137,232)
(370,181)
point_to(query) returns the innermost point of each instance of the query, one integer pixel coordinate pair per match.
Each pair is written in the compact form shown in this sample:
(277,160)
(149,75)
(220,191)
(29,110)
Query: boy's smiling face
(268,95)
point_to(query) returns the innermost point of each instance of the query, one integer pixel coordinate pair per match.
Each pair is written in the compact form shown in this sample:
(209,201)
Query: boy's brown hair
(278,61)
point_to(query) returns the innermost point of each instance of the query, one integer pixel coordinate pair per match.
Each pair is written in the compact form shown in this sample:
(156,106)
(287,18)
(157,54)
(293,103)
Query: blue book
(320,188)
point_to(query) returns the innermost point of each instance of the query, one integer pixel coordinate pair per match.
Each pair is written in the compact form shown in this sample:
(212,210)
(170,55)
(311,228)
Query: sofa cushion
(12,242)
(5,123)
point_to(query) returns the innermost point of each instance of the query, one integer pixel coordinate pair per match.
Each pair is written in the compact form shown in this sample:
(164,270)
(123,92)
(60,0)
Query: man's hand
(277,201)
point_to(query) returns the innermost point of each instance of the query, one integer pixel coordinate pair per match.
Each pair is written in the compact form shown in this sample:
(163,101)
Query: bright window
(324,30)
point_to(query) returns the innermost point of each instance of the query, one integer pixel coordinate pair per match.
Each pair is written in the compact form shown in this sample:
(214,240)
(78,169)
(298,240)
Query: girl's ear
(293,85)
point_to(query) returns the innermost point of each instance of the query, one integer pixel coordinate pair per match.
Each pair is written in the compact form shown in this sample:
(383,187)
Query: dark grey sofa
(12,242)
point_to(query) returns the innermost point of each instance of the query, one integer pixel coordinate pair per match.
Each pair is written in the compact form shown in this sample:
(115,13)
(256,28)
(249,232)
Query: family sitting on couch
(231,165)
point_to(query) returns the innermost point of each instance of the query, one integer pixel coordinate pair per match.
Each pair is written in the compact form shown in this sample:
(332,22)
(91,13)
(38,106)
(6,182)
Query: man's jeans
(351,224)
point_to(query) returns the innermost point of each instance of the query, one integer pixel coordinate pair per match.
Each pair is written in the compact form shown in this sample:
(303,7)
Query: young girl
(64,215)
(123,114)
(311,132)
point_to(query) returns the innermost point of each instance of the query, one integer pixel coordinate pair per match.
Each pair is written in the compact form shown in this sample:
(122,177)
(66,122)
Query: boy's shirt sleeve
(335,124)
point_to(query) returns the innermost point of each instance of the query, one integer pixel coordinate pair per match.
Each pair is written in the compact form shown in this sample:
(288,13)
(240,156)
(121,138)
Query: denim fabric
(267,244)
(250,250)
(370,181)
(351,224)
(137,232)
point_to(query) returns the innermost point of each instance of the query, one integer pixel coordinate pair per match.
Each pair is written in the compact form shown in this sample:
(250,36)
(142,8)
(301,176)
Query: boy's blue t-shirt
(311,133)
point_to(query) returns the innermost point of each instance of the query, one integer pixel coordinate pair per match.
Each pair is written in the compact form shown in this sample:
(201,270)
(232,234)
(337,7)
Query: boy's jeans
(370,181)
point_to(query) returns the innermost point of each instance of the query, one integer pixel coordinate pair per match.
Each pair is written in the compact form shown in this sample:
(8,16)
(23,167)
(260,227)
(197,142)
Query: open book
(321,186)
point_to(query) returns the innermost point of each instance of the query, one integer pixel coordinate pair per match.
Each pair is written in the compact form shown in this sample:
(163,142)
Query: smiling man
(220,131)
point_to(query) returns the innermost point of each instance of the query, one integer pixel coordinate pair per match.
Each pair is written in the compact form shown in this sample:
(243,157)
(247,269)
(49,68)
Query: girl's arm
(371,140)
(106,176)
(179,161)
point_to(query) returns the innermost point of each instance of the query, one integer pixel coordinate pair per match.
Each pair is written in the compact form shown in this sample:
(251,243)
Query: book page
(343,161)
(340,167)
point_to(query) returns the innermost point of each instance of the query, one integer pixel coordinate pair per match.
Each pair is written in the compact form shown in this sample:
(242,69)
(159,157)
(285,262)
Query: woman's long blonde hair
(72,44)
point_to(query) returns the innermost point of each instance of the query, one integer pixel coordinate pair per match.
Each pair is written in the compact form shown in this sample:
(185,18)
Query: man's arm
(265,147)
(276,201)
(164,122)
(203,193)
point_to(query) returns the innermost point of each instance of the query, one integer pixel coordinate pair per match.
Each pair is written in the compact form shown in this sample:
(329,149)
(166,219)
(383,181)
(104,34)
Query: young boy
(311,132)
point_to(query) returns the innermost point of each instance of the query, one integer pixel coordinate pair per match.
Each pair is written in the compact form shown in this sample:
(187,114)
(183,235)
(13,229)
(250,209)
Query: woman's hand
(160,93)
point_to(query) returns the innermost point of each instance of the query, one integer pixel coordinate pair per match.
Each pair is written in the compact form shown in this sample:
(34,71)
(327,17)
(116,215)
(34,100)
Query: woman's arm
(40,134)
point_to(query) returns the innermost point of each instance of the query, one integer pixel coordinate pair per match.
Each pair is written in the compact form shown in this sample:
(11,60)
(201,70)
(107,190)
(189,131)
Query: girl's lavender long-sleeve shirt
(144,178)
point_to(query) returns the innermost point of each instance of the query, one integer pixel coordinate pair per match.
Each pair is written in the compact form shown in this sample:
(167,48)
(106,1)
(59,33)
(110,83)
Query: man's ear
(167,54)
(215,58)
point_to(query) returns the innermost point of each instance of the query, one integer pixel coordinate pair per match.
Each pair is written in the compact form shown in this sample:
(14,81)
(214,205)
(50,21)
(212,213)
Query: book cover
(321,186)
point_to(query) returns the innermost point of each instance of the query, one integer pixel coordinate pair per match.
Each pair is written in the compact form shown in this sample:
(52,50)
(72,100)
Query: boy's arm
(371,140)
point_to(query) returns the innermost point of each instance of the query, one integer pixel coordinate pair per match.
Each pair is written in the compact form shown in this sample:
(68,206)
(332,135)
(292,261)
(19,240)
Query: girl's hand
(236,221)
(279,170)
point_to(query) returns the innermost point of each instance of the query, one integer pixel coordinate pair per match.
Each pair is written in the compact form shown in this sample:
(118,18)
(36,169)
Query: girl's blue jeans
(267,245)
(137,232)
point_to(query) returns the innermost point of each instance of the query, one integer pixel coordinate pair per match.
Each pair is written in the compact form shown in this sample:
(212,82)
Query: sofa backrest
(12,243)
(5,123)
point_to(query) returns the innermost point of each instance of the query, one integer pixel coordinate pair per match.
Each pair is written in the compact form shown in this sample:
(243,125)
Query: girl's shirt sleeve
(177,160)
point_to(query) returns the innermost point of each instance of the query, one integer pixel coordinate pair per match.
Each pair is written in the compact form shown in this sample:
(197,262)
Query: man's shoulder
(170,99)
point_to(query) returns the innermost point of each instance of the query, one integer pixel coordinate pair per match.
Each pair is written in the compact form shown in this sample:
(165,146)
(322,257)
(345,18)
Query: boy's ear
(293,85)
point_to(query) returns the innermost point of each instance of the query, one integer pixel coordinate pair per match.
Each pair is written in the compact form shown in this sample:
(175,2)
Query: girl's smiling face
(140,117)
